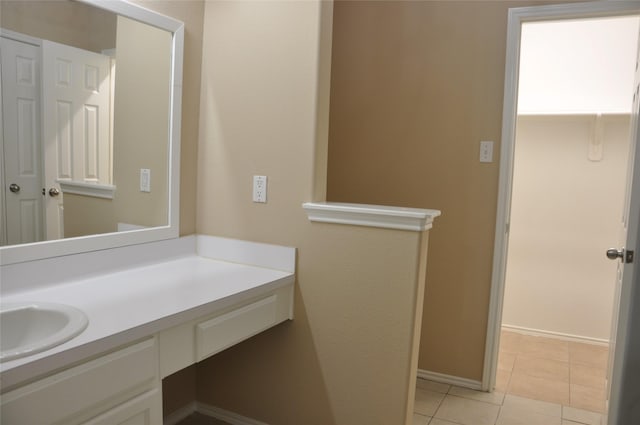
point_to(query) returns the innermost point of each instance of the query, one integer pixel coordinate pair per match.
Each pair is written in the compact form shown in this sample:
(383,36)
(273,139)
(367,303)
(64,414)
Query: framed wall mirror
(90,127)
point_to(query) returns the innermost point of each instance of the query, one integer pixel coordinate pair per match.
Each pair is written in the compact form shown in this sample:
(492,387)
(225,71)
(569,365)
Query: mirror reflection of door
(22,154)
(76,124)
(71,143)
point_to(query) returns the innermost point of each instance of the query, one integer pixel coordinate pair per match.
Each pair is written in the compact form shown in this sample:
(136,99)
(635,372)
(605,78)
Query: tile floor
(442,404)
(563,372)
(540,381)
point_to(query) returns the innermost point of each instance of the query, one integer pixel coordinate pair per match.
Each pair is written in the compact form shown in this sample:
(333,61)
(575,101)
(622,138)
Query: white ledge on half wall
(415,219)
(96,190)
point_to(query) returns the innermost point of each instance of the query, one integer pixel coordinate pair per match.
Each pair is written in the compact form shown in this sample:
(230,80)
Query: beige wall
(141,122)
(415,87)
(564,213)
(85,215)
(67,22)
(347,356)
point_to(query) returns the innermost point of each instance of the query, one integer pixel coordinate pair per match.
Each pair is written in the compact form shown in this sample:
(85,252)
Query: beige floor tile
(587,398)
(506,361)
(581,416)
(528,405)
(420,419)
(427,402)
(510,341)
(567,422)
(502,380)
(466,411)
(495,397)
(539,388)
(546,348)
(542,368)
(438,387)
(588,376)
(515,416)
(589,354)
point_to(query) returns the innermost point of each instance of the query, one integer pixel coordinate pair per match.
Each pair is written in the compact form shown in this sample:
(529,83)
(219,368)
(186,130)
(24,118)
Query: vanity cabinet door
(145,409)
(75,395)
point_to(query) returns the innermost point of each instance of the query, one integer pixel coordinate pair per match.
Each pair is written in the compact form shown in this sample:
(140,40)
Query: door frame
(518,16)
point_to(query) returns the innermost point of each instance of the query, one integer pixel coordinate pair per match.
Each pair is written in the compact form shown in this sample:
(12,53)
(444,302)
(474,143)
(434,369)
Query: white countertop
(130,304)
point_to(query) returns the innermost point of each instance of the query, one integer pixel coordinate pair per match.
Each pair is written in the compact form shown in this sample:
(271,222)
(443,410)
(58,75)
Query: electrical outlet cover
(260,189)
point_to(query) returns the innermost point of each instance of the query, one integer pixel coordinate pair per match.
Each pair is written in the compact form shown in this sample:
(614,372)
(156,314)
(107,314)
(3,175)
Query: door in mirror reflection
(22,149)
(77,125)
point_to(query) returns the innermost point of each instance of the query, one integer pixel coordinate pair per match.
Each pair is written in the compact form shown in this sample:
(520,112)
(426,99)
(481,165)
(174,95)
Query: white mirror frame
(47,249)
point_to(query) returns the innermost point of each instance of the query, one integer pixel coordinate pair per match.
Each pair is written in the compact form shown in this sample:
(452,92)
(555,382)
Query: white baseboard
(225,415)
(450,379)
(555,335)
(180,414)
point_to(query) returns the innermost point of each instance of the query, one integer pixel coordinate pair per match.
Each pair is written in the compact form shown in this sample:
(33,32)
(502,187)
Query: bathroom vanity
(189,299)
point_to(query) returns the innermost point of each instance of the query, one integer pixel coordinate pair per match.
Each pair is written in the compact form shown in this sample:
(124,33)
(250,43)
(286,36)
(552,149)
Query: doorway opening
(566,133)
(572,140)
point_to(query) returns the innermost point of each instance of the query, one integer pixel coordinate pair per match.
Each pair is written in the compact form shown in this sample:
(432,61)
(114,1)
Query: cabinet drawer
(191,342)
(223,331)
(84,391)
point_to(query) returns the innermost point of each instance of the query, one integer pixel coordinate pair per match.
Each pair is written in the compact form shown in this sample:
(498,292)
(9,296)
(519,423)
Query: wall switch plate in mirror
(145,180)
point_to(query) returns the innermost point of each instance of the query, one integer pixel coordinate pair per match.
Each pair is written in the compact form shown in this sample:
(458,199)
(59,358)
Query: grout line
(440,403)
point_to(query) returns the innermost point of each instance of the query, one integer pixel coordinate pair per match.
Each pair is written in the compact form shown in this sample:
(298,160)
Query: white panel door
(76,127)
(627,249)
(21,142)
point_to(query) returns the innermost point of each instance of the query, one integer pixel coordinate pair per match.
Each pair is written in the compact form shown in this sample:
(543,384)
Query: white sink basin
(29,328)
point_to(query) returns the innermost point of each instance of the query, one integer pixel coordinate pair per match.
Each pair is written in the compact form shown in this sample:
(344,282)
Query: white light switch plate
(145,180)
